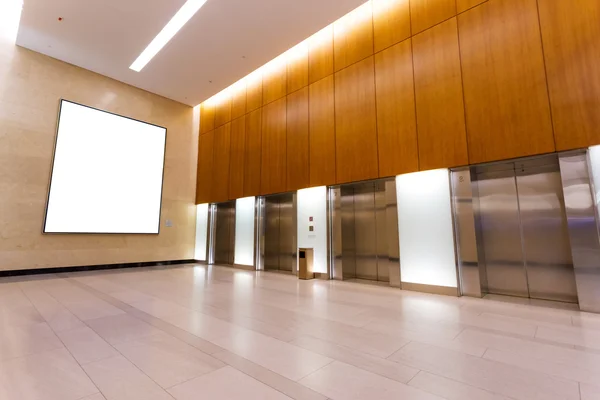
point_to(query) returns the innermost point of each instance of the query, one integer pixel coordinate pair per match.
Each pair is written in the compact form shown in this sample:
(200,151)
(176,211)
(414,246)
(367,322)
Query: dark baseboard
(58,270)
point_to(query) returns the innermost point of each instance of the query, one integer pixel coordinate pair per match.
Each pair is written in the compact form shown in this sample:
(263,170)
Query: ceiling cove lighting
(185,13)
(322,38)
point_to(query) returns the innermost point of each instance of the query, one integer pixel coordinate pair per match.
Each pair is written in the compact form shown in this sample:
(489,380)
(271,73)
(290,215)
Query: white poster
(107,173)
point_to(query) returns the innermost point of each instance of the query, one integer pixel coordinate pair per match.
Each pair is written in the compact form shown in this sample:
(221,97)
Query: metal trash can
(305,264)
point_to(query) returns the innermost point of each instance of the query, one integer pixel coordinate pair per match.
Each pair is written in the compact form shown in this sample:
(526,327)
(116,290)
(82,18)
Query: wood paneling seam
(412,60)
(375,92)
(470,8)
(537,4)
(334,129)
(462,85)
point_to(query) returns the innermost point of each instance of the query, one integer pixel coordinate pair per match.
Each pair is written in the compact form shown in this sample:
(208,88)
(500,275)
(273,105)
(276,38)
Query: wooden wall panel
(223,112)
(204,179)
(426,13)
(320,55)
(237,158)
(238,101)
(207,118)
(571,36)
(356,123)
(322,132)
(439,98)
(506,98)
(273,165)
(297,69)
(353,37)
(274,82)
(503,79)
(254,93)
(253,153)
(391,22)
(396,120)
(221,152)
(464,5)
(297,140)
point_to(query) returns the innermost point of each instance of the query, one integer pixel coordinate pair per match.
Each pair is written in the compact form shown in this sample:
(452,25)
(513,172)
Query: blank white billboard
(107,174)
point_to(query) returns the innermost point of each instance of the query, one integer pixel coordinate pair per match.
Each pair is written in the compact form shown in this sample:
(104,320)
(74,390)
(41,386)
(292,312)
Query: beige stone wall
(31,85)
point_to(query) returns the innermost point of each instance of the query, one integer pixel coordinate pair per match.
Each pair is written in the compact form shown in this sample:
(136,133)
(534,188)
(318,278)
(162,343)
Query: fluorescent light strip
(184,14)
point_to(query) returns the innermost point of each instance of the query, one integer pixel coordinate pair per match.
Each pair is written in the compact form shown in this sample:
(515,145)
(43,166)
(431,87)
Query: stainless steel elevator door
(271,234)
(381,232)
(287,234)
(365,232)
(546,242)
(348,235)
(522,227)
(280,235)
(501,232)
(225,233)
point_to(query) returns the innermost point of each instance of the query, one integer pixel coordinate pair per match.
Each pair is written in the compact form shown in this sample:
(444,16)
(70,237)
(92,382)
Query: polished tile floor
(193,332)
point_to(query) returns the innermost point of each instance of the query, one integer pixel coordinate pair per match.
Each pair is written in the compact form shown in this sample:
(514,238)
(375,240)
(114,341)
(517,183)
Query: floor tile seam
(90,395)
(319,369)
(523,319)
(134,365)
(530,370)
(82,366)
(266,384)
(389,358)
(401,332)
(537,358)
(550,374)
(343,346)
(30,302)
(132,362)
(462,383)
(54,332)
(168,389)
(64,308)
(258,366)
(71,354)
(155,322)
(503,333)
(433,371)
(552,319)
(360,367)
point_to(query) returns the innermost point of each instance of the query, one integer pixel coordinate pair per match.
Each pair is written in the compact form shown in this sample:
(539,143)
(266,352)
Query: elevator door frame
(522,174)
(261,224)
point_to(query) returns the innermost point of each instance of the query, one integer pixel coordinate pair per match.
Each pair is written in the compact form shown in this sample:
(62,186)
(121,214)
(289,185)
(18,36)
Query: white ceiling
(223,42)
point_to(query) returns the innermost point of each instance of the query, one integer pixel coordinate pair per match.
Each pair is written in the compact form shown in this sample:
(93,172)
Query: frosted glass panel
(201,230)
(313,203)
(425,228)
(244,231)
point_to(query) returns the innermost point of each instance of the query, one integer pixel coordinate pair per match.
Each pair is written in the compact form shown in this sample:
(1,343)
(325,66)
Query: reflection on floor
(532,302)
(368,282)
(195,332)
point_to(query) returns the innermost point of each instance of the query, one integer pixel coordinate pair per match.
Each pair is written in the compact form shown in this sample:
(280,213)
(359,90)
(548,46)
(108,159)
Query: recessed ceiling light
(184,14)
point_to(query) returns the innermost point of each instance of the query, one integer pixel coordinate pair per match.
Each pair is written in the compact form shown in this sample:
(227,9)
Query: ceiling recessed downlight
(184,14)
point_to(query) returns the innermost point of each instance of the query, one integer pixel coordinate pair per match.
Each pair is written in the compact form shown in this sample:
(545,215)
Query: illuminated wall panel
(201,231)
(425,228)
(244,231)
